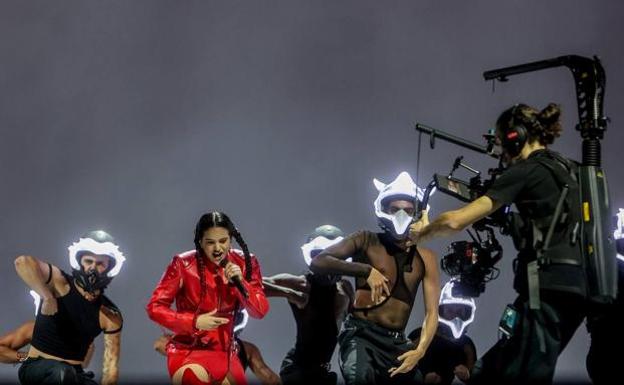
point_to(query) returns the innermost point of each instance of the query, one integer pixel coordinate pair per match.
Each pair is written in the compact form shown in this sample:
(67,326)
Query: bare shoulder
(427,255)
(430,260)
(55,278)
(111,319)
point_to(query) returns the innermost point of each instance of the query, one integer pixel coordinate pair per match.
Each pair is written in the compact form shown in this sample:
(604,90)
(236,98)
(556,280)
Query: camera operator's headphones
(514,137)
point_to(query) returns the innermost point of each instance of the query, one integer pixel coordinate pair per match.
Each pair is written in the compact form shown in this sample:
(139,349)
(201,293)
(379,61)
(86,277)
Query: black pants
(368,351)
(605,328)
(298,370)
(529,356)
(40,371)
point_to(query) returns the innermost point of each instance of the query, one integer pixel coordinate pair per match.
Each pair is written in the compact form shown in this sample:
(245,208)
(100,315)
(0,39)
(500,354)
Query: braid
(239,239)
(199,255)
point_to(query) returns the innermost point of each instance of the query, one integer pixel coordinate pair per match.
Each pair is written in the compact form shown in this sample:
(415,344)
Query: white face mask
(96,248)
(402,188)
(401,221)
(316,245)
(457,325)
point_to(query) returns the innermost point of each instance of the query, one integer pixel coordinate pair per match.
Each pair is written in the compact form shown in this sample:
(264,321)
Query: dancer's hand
(378,285)
(298,298)
(49,306)
(409,361)
(462,372)
(208,321)
(160,345)
(416,228)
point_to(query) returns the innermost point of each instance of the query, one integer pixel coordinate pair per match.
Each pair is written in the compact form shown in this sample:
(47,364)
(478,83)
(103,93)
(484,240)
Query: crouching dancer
(373,346)
(73,311)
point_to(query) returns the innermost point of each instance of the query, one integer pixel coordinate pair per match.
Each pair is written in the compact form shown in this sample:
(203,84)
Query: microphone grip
(235,280)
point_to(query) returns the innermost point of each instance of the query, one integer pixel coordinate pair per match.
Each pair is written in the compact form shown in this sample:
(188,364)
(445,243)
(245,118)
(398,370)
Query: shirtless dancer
(373,346)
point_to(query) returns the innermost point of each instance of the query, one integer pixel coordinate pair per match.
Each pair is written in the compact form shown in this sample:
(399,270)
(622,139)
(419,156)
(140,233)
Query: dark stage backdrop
(137,117)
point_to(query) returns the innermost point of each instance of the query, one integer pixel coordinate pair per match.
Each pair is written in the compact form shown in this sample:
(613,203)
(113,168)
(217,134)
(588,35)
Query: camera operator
(551,302)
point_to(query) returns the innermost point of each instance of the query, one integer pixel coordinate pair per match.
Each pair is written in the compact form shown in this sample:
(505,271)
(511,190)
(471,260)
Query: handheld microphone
(235,280)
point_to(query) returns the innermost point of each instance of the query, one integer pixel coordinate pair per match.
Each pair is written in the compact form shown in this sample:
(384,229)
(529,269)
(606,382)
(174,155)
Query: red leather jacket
(181,282)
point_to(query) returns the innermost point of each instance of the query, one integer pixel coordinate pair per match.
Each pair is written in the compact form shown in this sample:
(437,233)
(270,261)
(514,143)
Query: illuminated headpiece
(402,188)
(455,312)
(322,237)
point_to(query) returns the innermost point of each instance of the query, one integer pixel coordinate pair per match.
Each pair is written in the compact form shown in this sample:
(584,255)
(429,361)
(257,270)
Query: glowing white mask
(318,243)
(402,188)
(456,324)
(97,248)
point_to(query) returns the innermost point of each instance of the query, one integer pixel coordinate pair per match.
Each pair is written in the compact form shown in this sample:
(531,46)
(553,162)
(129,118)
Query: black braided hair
(217,219)
(241,242)
(199,255)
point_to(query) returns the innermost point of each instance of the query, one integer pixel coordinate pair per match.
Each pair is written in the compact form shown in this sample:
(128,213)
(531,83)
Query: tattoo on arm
(110,366)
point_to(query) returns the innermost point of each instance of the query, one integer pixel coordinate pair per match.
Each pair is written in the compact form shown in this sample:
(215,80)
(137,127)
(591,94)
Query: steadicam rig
(472,263)
(475,186)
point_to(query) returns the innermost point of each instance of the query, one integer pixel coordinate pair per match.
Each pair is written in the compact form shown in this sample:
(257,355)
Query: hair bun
(549,120)
(549,115)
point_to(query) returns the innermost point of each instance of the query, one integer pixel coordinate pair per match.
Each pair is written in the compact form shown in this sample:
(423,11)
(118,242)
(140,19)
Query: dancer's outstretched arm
(11,342)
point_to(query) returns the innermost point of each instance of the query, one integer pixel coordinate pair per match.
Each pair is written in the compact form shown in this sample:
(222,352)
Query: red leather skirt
(215,362)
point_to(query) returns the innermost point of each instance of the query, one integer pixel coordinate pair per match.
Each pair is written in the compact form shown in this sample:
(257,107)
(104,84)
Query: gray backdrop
(137,117)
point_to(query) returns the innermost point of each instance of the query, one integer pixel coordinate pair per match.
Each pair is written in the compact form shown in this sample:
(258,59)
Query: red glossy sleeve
(256,303)
(159,306)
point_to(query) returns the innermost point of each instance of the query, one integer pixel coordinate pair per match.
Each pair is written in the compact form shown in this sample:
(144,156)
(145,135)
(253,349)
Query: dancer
(373,346)
(318,313)
(451,352)
(73,311)
(12,342)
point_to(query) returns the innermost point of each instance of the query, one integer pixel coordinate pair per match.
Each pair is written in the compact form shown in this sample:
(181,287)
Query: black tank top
(68,333)
(317,332)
